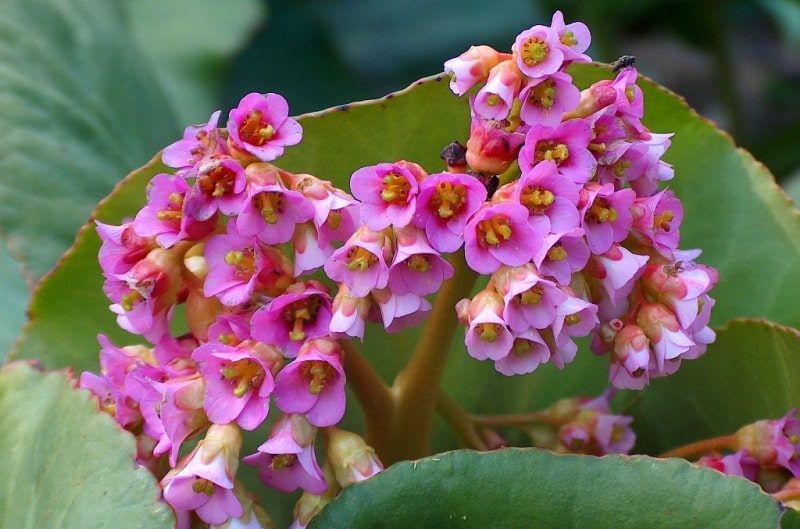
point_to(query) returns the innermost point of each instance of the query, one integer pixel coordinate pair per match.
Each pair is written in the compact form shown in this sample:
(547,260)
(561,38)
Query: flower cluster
(582,241)
(273,270)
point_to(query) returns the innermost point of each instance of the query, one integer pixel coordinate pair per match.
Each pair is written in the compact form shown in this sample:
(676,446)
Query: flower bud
(352,459)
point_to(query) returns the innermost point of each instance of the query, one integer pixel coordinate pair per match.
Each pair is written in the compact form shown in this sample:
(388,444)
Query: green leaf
(83,111)
(203,36)
(15,298)
(534,488)
(66,465)
(749,373)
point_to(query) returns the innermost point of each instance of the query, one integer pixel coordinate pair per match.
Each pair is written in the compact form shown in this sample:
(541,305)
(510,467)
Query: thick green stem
(416,388)
(374,396)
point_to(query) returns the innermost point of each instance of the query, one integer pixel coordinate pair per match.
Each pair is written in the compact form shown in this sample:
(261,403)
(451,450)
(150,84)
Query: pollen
(551,150)
(318,374)
(217,182)
(358,259)
(662,222)
(557,253)
(243,260)
(568,39)
(494,231)
(543,94)
(601,212)
(488,332)
(254,130)
(270,206)
(536,198)
(533,51)
(532,296)
(299,314)
(396,188)
(282,461)
(448,200)
(244,375)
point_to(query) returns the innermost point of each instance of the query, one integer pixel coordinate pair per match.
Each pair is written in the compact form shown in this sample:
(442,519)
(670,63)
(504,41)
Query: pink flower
(630,359)
(488,335)
(271,211)
(606,215)
(219,186)
(445,202)
(122,247)
(597,432)
(349,314)
(546,193)
(388,194)
(680,286)
(239,381)
(260,126)
(499,234)
(574,38)
(773,443)
(668,341)
(471,67)
(301,313)
(538,52)
(562,255)
(398,311)
(204,481)
(313,383)
(527,353)
(529,299)
(164,217)
(286,460)
(416,266)
(495,99)
(239,266)
(656,222)
(336,213)
(362,262)
(492,147)
(736,464)
(195,144)
(567,145)
(546,99)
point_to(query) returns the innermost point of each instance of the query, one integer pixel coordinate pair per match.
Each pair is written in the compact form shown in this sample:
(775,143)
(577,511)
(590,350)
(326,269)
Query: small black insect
(622,62)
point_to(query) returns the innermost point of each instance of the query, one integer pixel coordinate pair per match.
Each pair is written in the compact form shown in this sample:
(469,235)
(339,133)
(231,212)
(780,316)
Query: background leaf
(65,465)
(81,117)
(522,488)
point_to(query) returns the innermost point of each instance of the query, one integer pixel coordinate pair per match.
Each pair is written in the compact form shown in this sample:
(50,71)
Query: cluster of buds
(581,242)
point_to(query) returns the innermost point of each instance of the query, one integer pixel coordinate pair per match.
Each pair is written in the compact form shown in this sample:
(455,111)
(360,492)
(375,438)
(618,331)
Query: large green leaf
(66,465)
(522,488)
(81,109)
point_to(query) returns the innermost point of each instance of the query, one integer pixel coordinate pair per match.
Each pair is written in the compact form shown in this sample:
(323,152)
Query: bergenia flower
(416,266)
(495,99)
(286,461)
(197,142)
(362,263)
(538,52)
(313,383)
(472,67)
(606,215)
(547,99)
(122,247)
(388,193)
(261,126)
(567,145)
(219,186)
(573,38)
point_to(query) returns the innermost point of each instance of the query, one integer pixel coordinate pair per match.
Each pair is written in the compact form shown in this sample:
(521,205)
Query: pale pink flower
(261,126)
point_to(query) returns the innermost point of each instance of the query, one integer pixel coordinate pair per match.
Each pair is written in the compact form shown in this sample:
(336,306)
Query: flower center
(620,167)
(543,94)
(568,39)
(358,259)
(395,188)
(532,296)
(300,313)
(663,221)
(557,253)
(318,374)
(282,461)
(494,231)
(217,182)
(601,212)
(244,261)
(550,150)
(536,199)
(254,130)
(419,263)
(173,212)
(489,332)
(244,375)
(448,200)
(270,205)
(533,51)
(203,486)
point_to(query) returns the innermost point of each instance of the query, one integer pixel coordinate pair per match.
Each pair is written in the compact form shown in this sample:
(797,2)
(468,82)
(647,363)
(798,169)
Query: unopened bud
(352,459)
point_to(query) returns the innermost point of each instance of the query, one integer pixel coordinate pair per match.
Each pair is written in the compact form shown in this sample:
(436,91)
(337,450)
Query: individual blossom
(416,266)
(528,351)
(271,211)
(313,383)
(121,247)
(562,254)
(164,216)
(498,234)
(239,266)
(595,431)
(567,145)
(538,52)
(352,459)
(630,359)
(668,341)
(239,381)
(495,99)
(362,263)
(774,443)
(612,276)
(739,463)
(253,516)
(488,335)
(547,194)
(388,193)
(529,299)
(444,203)
(197,142)
(286,460)
(349,314)
(472,67)
(492,145)
(656,222)
(545,100)
(219,184)
(301,313)
(261,126)
(204,480)
(573,38)
(606,215)
(681,286)
(398,311)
